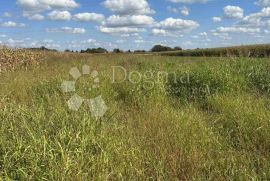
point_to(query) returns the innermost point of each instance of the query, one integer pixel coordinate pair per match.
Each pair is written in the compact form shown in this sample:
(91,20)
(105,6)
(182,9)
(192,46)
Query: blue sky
(130,24)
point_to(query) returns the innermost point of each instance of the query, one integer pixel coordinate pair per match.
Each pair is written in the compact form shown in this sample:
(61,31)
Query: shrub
(160,48)
(95,50)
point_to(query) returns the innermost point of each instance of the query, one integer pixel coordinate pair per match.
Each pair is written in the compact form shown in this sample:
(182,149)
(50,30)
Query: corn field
(11,59)
(254,51)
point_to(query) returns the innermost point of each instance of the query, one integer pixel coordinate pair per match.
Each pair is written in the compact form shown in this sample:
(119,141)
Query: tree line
(156,48)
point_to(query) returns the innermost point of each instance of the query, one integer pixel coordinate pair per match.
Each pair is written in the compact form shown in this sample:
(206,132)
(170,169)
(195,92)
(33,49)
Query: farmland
(212,125)
(255,51)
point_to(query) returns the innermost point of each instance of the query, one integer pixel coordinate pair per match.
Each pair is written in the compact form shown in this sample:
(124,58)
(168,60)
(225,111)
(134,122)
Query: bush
(116,50)
(160,48)
(95,50)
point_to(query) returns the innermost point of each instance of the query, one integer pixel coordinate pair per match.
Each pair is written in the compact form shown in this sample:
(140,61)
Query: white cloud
(11,24)
(195,36)
(59,15)
(120,30)
(257,19)
(203,34)
(264,3)
(189,1)
(183,10)
(128,7)
(42,5)
(216,19)
(17,42)
(7,14)
(33,16)
(174,27)
(90,41)
(266,31)
(179,25)
(162,32)
(233,12)
(13,41)
(121,41)
(237,30)
(159,32)
(173,10)
(68,30)
(61,4)
(129,20)
(89,17)
(139,41)
(126,35)
(32,5)
(47,41)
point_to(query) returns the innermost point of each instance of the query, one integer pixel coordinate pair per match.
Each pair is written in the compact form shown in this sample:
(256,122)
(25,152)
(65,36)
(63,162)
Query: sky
(133,24)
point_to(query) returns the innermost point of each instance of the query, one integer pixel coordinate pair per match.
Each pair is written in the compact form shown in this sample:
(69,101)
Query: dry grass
(11,59)
(146,134)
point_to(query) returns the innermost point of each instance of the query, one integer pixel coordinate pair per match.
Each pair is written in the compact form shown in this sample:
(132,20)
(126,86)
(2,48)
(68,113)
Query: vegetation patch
(11,59)
(258,51)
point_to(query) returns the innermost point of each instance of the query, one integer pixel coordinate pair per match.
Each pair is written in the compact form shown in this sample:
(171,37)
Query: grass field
(214,124)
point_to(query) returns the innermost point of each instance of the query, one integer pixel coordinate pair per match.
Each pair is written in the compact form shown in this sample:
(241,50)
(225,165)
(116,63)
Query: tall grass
(156,134)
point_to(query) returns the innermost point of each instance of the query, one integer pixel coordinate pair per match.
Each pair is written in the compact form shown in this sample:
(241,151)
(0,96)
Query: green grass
(218,133)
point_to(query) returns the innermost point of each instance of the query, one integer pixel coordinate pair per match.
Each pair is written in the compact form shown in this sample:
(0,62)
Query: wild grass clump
(11,59)
(202,81)
(243,121)
(259,78)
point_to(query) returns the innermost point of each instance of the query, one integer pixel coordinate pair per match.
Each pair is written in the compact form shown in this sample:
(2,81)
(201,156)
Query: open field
(209,119)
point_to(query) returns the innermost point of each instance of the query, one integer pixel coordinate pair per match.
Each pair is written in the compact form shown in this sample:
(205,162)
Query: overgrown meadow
(209,119)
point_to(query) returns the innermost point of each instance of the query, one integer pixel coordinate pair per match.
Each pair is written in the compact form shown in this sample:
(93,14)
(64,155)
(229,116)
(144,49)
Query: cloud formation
(59,15)
(126,21)
(233,12)
(189,1)
(12,24)
(89,17)
(68,30)
(128,7)
(263,3)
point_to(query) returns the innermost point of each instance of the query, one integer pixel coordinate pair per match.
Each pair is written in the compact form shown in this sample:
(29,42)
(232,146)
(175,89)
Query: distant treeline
(95,50)
(160,48)
(237,51)
(156,48)
(42,49)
